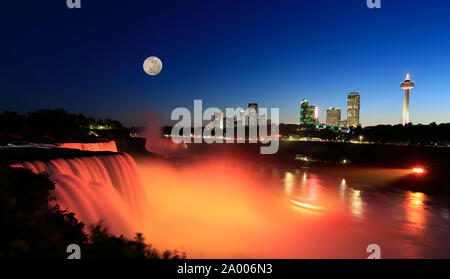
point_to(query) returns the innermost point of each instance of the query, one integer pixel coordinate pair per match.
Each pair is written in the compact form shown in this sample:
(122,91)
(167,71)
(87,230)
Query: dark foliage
(105,246)
(30,227)
(57,125)
(33,229)
(431,134)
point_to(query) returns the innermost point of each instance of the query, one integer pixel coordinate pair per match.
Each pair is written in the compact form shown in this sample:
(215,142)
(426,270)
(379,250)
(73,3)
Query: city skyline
(218,52)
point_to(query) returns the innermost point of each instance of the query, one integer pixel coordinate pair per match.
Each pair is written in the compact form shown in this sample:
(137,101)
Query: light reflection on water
(357,204)
(415,213)
(418,222)
(314,188)
(289,180)
(232,209)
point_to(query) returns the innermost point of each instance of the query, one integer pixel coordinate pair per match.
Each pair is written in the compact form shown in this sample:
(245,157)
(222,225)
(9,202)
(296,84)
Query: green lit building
(309,115)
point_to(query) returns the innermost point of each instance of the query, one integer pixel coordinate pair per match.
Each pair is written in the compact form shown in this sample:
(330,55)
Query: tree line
(57,125)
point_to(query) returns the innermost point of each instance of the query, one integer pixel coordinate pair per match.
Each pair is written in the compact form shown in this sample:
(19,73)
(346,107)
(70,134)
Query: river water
(234,209)
(404,224)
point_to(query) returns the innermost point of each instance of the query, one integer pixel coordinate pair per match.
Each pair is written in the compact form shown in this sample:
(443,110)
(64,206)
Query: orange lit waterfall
(90,146)
(103,188)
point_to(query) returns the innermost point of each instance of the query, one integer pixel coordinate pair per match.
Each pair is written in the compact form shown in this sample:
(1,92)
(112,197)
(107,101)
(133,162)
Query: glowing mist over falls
(196,209)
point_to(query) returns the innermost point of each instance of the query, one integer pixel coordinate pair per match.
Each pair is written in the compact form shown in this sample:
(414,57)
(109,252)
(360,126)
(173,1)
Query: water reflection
(308,213)
(322,192)
(343,187)
(415,213)
(356,203)
(311,191)
(289,180)
(445,213)
(414,222)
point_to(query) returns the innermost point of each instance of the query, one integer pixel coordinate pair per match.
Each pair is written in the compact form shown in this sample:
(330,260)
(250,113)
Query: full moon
(152,65)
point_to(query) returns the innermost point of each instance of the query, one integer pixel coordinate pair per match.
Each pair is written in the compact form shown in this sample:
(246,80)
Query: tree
(33,229)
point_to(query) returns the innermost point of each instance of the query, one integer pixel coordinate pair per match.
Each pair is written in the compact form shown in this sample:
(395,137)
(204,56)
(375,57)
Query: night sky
(227,53)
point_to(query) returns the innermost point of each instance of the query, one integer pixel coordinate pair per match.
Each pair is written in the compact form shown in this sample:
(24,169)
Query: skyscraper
(262,119)
(229,122)
(242,117)
(333,116)
(406,85)
(252,114)
(309,115)
(218,119)
(353,109)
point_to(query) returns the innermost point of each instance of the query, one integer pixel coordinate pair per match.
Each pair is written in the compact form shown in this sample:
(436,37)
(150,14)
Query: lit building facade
(333,116)
(309,115)
(218,119)
(241,118)
(353,109)
(262,119)
(252,114)
(230,122)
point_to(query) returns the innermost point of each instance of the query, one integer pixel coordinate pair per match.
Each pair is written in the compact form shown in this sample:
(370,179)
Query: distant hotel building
(230,122)
(262,119)
(333,116)
(218,119)
(353,109)
(309,115)
(252,114)
(241,119)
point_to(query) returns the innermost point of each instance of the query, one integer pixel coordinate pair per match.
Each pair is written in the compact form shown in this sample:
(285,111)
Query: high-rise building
(252,114)
(241,119)
(406,85)
(262,119)
(353,109)
(309,115)
(218,119)
(229,122)
(253,105)
(333,116)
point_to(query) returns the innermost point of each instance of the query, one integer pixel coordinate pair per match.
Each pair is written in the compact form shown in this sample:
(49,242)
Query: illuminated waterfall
(103,188)
(90,146)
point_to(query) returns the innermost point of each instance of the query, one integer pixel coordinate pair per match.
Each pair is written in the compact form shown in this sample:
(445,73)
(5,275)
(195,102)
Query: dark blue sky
(228,53)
